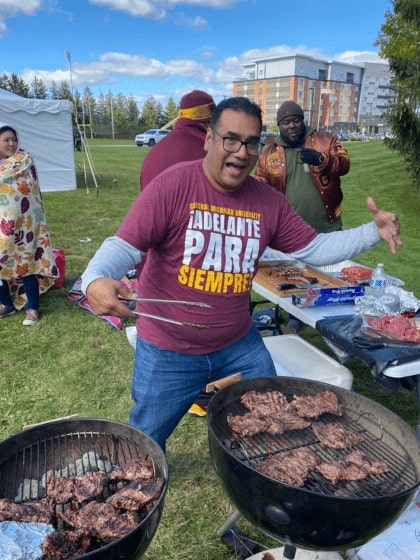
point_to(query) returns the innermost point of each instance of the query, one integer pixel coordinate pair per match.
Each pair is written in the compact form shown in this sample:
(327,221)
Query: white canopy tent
(45,129)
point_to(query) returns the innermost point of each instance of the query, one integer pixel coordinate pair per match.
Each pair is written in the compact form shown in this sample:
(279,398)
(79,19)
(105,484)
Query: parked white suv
(151,137)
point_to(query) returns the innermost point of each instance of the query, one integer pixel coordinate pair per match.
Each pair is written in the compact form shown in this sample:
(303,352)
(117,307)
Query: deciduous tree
(399,43)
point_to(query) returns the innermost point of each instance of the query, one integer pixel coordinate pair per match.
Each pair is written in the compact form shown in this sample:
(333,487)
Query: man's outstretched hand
(388,225)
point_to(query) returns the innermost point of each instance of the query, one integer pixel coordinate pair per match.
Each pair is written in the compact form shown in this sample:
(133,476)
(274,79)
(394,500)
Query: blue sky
(164,48)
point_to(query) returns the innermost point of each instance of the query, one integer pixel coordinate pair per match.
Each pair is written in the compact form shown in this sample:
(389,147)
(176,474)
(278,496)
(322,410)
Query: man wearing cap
(306,165)
(186,141)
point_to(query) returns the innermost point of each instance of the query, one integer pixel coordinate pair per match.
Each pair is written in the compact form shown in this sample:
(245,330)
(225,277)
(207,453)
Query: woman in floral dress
(27,266)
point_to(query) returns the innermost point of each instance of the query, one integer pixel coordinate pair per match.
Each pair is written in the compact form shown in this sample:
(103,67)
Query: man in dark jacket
(306,165)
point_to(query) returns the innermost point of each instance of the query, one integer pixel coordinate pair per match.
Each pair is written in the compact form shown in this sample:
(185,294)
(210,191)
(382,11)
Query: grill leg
(229,523)
(289,551)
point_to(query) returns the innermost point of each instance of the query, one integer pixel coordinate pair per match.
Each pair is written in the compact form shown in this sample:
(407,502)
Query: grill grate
(24,474)
(378,443)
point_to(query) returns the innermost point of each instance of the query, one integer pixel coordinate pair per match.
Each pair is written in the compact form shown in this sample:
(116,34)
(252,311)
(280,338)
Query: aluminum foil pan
(22,541)
(377,307)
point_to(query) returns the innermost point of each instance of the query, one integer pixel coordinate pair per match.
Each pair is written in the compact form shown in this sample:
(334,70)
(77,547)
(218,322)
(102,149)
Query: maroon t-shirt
(203,245)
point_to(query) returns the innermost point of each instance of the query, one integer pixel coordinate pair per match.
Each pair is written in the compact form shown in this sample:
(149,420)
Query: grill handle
(277,514)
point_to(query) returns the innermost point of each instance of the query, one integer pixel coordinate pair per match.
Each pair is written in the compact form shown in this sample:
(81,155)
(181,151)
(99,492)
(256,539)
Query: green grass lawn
(74,363)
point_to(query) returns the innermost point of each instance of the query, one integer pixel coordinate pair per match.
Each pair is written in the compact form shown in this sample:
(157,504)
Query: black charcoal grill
(82,445)
(320,515)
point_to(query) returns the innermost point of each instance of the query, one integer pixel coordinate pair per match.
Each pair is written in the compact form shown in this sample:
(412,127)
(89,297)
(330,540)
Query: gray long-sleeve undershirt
(115,256)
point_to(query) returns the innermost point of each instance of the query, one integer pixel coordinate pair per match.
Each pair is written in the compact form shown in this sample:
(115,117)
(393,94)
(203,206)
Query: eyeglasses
(233,145)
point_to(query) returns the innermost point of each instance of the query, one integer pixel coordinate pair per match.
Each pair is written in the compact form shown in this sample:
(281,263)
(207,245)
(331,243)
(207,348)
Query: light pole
(112,116)
(68,56)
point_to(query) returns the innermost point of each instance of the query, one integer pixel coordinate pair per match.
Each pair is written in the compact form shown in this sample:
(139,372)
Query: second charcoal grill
(319,515)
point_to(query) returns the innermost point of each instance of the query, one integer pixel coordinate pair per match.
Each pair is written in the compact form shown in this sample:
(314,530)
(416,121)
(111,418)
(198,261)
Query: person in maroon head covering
(186,140)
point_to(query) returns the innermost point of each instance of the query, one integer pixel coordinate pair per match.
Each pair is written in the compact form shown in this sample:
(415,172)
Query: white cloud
(356,57)
(196,22)
(138,8)
(11,8)
(210,74)
(112,64)
(159,9)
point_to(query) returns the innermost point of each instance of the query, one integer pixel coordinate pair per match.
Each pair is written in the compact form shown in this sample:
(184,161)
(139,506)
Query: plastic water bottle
(377,281)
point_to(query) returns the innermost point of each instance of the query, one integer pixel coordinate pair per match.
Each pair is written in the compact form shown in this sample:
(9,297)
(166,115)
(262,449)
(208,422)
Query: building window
(322,74)
(350,78)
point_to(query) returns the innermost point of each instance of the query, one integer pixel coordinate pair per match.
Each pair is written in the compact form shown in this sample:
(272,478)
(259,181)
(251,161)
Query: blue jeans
(31,287)
(165,383)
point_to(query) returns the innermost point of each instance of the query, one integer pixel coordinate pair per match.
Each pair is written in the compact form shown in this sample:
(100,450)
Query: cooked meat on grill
(335,435)
(89,486)
(284,421)
(102,519)
(9,511)
(247,424)
(60,488)
(133,470)
(90,521)
(76,488)
(39,512)
(313,406)
(275,424)
(263,404)
(371,464)
(341,470)
(291,467)
(136,495)
(65,544)
(357,465)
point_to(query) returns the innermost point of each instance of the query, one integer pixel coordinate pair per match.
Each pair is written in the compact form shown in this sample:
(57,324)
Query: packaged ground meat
(356,273)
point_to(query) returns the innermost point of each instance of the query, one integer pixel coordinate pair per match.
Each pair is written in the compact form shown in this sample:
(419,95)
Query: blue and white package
(328,296)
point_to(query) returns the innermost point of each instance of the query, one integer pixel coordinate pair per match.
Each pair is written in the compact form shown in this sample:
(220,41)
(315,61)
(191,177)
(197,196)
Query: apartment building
(377,95)
(334,95)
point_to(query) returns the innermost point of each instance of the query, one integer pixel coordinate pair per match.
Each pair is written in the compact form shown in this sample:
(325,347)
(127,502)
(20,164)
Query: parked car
(151,137)
(268,137)
(77,139)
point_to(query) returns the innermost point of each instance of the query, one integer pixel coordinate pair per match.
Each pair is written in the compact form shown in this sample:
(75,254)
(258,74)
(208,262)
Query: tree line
(112,116)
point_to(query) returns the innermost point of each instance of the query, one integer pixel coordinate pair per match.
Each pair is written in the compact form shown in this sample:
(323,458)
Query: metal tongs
(169,301)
